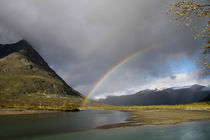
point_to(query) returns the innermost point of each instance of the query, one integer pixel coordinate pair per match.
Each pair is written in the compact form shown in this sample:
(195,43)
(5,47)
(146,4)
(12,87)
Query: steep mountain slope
(168,96)
(24,74)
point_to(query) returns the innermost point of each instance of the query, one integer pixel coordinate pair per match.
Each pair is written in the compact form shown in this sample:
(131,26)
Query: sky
(83,39)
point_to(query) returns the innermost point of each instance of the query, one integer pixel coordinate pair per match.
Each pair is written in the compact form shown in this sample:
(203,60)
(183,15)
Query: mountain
(25,78)
(170,96)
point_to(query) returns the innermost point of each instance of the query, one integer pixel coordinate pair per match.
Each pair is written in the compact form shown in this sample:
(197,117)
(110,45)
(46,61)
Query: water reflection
(19,126)
(199,130)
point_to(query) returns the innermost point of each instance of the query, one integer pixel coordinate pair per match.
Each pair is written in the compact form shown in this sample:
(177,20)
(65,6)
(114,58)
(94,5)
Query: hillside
(170,96)
(26,79)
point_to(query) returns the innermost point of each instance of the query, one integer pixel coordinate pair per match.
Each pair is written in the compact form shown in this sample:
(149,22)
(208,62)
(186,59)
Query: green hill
(27,80)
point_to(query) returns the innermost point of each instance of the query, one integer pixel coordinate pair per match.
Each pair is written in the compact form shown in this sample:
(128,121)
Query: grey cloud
(83,39)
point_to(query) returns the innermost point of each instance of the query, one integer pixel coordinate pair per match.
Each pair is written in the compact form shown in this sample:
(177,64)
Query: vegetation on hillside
(41,101)
(23,70)
(27,82)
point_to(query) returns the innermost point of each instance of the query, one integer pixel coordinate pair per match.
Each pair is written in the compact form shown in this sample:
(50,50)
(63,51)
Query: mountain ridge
(24,74)
(167,96)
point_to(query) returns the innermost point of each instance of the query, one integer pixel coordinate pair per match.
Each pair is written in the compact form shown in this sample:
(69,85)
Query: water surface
(80,126)
(21,126)
(199,130)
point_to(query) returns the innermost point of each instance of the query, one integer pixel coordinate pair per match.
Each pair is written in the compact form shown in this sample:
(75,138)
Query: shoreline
(159,117)
(4,112)
(138,117)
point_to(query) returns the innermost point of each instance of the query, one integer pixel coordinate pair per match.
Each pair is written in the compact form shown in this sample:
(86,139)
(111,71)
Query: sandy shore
(18,112)
(160,117)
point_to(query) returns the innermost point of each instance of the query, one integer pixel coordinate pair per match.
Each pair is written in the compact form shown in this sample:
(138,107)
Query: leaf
(187,24)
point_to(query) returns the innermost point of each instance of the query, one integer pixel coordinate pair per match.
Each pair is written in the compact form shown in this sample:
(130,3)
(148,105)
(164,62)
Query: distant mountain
(26,78)
(207,98)
(170,96)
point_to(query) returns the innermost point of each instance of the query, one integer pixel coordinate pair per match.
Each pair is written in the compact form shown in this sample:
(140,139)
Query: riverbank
(160,114)
(160,117)
(6,109)
(140,115)
(20,111)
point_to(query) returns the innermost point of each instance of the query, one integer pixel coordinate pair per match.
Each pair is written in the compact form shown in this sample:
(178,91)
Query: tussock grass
(192,106)
(41,101)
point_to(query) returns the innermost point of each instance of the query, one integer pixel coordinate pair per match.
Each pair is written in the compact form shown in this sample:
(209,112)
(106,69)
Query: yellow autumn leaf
(187,24)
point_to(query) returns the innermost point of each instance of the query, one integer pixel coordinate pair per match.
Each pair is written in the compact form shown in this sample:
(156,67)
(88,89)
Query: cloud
(81,40)
(181,80)
(7,35)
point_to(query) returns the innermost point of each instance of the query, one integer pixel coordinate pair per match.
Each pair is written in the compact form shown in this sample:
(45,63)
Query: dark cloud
(82,39)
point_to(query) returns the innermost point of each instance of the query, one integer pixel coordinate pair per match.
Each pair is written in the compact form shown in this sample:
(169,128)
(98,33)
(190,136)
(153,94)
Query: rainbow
(107,75)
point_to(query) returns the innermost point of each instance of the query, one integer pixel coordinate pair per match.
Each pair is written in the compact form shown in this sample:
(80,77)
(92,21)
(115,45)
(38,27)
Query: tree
(195,15)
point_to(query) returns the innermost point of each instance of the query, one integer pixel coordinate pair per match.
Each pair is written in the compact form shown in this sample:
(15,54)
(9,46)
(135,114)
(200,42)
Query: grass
(29,91)
(15,84)
(159,114)
(192,106)
(36,92)
(27,82)
(41,101)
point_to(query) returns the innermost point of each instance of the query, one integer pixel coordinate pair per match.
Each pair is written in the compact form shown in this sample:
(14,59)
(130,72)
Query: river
(80,126)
